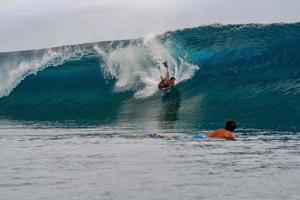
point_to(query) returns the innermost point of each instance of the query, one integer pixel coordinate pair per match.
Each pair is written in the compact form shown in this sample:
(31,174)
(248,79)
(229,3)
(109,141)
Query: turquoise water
(74,120)
(249,73)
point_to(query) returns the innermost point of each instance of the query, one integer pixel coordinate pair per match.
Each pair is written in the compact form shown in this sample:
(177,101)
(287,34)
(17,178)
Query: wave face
(250,73)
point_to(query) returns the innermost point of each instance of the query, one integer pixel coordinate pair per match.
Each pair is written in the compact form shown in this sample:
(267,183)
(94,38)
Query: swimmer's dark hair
(230,125)
(172,78)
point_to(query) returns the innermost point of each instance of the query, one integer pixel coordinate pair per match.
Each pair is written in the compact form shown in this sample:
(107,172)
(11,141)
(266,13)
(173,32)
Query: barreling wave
(247,72)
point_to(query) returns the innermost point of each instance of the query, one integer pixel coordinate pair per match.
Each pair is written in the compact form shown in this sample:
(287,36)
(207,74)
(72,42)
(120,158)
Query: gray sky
(31,24)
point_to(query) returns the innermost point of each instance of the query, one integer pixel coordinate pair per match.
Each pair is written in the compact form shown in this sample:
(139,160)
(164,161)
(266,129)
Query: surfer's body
(166,82)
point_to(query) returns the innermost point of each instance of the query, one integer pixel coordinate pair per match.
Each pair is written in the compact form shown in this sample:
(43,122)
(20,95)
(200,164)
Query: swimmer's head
(230,125)
(157,134)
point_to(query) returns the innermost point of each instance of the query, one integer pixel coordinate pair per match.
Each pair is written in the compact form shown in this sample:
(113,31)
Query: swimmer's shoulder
(222,133)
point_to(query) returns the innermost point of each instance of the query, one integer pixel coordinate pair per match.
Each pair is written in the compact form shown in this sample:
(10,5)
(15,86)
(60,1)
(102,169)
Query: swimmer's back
(222,133)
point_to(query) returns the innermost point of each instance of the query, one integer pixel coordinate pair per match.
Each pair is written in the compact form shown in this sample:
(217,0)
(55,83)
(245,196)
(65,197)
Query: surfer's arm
(168,75)
(168,87)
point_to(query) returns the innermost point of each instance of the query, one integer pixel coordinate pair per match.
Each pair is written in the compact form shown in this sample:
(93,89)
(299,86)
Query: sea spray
(138,66)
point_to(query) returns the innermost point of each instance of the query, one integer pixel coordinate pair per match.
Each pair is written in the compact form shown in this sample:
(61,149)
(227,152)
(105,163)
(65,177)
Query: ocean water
(74,120)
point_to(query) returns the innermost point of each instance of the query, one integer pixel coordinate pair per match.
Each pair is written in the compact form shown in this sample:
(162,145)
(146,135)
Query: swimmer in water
(156,135)
(226,133)
(152,135)
(167,82)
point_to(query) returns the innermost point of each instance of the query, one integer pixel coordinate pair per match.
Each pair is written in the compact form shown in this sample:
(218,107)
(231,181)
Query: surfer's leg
(167,76)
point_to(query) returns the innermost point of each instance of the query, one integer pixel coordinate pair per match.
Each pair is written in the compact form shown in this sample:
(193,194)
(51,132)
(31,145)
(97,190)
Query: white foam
(138,67)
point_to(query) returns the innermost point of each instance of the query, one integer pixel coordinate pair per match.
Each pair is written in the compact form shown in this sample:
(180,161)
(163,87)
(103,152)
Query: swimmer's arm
(210,134)
(231,137)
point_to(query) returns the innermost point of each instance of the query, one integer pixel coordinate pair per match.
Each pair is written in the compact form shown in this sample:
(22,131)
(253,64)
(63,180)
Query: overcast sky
(31,24)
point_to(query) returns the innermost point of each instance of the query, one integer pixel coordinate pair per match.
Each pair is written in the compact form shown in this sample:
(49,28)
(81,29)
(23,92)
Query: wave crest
(16,66)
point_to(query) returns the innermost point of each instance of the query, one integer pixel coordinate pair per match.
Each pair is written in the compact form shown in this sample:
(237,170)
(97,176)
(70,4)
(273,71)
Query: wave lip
(16,66)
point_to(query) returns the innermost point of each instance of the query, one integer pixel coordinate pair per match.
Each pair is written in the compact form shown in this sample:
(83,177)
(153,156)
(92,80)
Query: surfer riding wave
(166,82)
